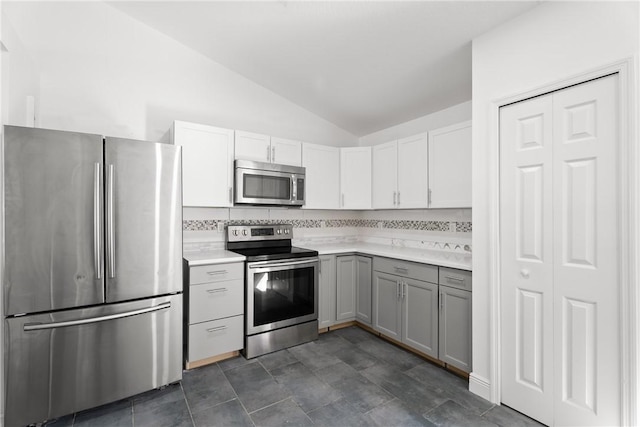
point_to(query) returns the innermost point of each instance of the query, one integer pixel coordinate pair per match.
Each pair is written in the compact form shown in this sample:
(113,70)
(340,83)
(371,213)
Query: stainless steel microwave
(258,183)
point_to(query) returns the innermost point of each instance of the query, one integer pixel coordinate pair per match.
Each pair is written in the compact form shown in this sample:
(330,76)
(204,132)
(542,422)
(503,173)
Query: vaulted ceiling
(362,65)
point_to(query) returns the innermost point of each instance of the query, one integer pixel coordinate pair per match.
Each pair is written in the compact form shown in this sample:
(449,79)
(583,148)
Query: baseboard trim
(210,360)
(480,386)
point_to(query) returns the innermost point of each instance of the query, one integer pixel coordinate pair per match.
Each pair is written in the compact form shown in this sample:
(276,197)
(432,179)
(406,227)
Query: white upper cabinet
(207,164)
(322,165)
(450,166)
(253,146)
(412,172)
(355,178)
(286,151)
(385,176)
(400,173)
(263,148)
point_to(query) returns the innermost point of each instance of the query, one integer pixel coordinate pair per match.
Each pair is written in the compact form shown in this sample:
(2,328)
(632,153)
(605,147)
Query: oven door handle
(262,264)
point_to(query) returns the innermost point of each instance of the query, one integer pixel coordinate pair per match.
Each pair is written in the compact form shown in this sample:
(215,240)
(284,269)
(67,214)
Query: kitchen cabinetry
(263,148)
(399,178)
(353,288)
(322,165)
(214,311)
(355,178)
(327,289)
(207,164)
(455,318)
(450,166)
(405,303)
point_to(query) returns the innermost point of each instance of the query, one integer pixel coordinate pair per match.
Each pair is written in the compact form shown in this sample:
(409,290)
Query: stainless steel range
(281,288)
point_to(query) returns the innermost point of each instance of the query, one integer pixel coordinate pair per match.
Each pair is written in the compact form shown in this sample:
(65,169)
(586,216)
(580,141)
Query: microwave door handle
(294,188)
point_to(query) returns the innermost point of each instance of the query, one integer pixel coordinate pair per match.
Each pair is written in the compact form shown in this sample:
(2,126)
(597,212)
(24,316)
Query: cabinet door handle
(398,198)
(217,328)
(216,291)
(398,290)
(273,154)
(441,302)
(429,197)
(394,198)
(343,200)
(268,154)
(214,273)
(404,290)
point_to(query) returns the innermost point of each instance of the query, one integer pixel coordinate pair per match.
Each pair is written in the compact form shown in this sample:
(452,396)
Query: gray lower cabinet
(363,289)
(327,290)
(214,311)
(353,276)
(346,287)
(406,308)
(455,318)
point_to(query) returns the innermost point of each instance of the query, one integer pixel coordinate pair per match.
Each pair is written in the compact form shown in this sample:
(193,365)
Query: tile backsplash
(446,229)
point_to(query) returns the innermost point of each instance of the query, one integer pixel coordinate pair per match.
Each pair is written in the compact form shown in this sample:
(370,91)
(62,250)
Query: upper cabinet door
(207,159)
(412,172)
(322,165)
(385,176)
(355,178)
(450,166)
(286,151)
(253,146)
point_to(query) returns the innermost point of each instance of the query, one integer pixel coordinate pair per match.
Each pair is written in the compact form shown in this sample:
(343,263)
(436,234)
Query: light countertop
(212,256)
(461,261)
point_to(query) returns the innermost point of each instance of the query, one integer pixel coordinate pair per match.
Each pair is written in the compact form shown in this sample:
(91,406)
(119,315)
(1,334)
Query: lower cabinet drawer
(212,338)
(215,300)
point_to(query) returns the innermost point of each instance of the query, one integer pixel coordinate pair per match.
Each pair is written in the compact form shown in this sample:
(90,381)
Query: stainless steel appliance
(281,288)
(93,273)
(259,183)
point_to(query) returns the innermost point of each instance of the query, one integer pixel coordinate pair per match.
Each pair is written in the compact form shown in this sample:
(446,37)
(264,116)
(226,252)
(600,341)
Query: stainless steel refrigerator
(92,282)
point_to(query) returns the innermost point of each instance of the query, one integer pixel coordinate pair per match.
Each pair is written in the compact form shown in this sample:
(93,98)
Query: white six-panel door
(559,256)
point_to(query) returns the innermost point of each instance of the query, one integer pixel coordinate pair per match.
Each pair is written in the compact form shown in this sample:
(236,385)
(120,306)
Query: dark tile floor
(348,377)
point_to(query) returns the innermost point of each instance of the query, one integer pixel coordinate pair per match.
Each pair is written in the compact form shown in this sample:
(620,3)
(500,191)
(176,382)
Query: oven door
(281,293)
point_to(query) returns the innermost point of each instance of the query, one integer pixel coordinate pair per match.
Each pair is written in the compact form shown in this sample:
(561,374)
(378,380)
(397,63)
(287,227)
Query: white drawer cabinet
(214,312)
(215,337)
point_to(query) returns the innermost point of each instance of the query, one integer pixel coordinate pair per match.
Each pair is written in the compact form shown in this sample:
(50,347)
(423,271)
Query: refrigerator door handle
(97,219)
(43,326)
(111,259)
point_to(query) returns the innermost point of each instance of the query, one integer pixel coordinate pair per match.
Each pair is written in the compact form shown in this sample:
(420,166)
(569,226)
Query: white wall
(554,41)
(449,116)
(101,71)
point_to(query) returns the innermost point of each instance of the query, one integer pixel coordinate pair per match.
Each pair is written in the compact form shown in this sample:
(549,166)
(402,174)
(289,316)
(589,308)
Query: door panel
(420,316)
(387,314)
(384,177)
(585,197)
(144,208)
(526,253)
(53,224)
(412,172)
(59,371)
(560,293)
(346,287)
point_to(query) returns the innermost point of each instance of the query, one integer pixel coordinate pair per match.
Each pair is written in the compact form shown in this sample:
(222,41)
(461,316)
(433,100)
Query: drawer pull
(457,279)
(217,329)
(217,290)
(213,273)
(401,270)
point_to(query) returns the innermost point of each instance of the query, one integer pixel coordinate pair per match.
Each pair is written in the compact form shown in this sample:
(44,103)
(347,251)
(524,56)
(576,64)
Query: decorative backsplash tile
(210,225)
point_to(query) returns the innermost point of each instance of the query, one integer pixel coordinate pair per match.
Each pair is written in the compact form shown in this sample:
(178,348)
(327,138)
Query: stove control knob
(235,232)
(244,232)
(279,231)
(286,231)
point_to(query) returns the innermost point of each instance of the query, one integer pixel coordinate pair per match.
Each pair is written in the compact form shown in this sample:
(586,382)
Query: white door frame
(629,220)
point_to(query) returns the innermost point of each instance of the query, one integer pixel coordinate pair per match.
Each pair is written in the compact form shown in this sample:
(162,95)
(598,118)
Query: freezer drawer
(88,360)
